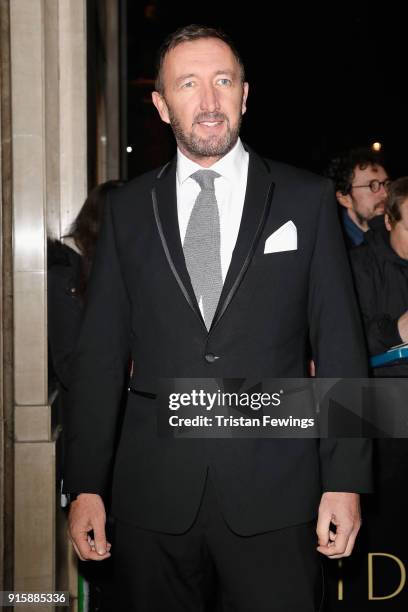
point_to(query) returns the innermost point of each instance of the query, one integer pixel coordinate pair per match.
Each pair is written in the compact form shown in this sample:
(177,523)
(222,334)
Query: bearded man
(219,265)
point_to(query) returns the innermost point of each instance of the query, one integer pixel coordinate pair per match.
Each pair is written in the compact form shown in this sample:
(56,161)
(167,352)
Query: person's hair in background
(69,262)
(84,230)
(192,33)
(341,168)
(398,194)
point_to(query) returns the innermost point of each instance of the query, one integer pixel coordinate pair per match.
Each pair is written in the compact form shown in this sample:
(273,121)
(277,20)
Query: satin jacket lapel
(257,203)
(164,198)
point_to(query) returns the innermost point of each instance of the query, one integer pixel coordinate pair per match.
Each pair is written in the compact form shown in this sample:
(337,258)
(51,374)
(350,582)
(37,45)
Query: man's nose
(209,99)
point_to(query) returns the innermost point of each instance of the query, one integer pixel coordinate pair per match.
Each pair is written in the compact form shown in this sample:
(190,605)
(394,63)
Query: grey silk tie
(202,245)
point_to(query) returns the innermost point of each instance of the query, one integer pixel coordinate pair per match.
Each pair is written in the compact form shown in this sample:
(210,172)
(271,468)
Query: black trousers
(211,569)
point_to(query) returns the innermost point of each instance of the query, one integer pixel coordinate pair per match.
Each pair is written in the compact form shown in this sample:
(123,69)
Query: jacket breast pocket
(280,278)
(285,260)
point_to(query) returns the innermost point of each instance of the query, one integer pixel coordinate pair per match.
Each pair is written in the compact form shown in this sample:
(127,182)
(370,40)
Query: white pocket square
(282,239)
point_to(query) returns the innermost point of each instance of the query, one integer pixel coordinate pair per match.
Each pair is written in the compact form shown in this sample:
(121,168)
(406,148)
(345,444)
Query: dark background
(322,78)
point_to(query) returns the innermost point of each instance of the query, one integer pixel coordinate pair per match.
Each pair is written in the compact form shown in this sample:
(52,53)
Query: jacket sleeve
(380,328)
(337,343)
(99,371)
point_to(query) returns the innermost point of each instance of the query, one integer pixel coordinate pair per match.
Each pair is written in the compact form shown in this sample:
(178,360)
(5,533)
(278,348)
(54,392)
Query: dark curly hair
(191,33)
(398,194)
(85,228)
(341,168)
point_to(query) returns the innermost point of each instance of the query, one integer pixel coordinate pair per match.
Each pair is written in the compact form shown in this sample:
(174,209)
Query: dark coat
(381,280)
(272,308)
(64,308)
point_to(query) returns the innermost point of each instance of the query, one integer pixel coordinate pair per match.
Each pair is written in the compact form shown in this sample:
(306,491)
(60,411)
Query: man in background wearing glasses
(361,183)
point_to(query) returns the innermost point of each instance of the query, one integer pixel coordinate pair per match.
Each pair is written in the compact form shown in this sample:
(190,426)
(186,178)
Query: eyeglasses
(375,185)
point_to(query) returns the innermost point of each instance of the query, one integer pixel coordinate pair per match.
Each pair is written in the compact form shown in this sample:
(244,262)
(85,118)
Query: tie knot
(205,178)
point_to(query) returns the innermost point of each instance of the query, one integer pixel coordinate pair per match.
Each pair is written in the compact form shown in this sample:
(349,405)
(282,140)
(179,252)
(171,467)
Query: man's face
(399,231)
(361,200)
(204,98)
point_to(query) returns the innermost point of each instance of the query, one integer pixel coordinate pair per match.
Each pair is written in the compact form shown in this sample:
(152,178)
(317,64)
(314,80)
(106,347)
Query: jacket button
(210,357)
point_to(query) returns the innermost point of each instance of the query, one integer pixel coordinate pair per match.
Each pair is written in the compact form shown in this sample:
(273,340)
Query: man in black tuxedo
(218,265)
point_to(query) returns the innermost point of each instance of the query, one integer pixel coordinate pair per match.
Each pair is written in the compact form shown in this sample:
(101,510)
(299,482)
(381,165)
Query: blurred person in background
(361,183)
(380,268)
(69,266)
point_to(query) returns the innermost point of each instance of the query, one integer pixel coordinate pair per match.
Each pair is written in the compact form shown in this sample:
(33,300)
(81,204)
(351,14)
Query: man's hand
(87,513)
(343,511)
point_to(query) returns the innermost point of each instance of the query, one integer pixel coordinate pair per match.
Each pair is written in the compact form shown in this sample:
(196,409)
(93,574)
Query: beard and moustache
(377,210)
(213,145)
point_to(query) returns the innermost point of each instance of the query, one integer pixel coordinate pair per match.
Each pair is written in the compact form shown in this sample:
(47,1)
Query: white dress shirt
(230,188)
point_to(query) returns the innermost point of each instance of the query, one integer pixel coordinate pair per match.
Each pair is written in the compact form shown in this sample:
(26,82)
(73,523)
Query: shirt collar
(231,166)
(354,233)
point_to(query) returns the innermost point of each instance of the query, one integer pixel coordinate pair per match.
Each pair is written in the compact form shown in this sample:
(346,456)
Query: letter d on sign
(398,590)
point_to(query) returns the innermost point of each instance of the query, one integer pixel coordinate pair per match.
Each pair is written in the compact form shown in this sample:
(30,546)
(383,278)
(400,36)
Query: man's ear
(387,222)
(161,106)
(344,199)
(244,98)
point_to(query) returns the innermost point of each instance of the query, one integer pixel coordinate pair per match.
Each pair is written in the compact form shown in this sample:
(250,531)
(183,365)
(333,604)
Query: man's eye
(224,81)
(188,85)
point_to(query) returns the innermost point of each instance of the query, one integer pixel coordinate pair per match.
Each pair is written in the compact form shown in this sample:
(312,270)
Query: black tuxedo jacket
(272,308)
